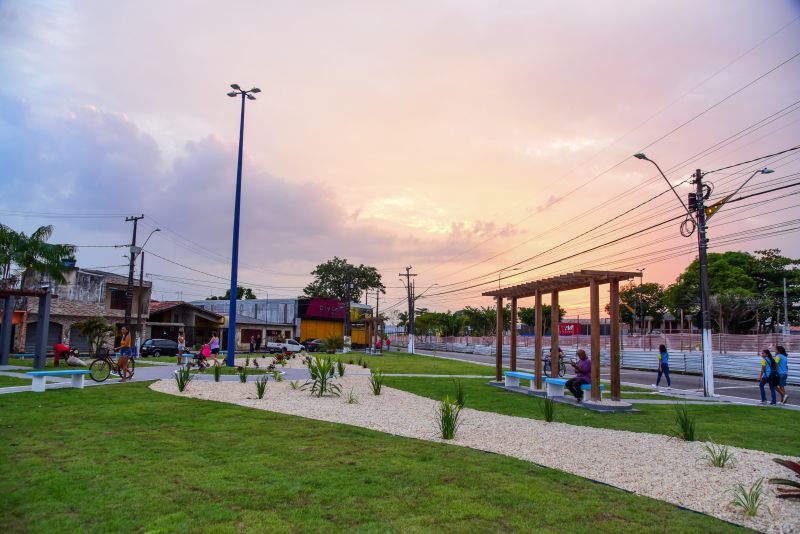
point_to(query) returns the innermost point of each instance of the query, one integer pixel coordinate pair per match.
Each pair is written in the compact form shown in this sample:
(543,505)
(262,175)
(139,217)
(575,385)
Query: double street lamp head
(641,155)
(237,90)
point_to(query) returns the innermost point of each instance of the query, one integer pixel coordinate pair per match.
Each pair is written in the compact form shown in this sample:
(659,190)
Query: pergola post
(554,320)
(614,352)
(42,330)
(538,340)
(499,341)
(594,305)
(5,334)
(513,333)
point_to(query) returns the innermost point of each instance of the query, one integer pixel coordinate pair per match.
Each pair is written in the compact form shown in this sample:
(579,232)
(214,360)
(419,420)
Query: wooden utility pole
(410,290)
(133,252)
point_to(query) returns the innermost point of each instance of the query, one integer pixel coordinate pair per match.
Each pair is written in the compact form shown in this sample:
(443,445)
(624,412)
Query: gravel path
(646,464)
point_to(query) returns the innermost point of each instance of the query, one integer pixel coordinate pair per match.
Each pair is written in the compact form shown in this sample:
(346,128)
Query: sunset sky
(458,137)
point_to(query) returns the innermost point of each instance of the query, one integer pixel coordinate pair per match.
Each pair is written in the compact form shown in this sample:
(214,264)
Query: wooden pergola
(554,285)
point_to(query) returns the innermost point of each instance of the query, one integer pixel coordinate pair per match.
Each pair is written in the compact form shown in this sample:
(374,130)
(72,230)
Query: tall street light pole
(139,302)
(246,95)
(703,214)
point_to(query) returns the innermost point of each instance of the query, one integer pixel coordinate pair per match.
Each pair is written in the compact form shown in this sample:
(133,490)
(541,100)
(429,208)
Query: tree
(242,293)
(331,280)
(635,299)
(528,316)
(402,320)
(97,332)
(32,254)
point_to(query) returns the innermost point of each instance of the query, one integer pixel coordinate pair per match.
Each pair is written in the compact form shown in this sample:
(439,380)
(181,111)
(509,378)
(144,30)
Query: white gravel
(646,464)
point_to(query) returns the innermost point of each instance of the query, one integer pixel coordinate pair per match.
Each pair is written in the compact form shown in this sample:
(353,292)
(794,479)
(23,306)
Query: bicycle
(562,367)
(103,365)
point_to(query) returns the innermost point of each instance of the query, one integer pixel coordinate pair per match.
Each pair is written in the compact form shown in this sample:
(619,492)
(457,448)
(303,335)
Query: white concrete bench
(555,387)
(39,384)
(512,378)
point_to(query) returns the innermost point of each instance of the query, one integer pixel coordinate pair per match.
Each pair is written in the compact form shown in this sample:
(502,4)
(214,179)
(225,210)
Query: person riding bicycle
(125,353)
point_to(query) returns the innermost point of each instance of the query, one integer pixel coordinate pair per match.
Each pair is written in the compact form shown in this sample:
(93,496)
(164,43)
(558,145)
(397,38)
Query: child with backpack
(768,376)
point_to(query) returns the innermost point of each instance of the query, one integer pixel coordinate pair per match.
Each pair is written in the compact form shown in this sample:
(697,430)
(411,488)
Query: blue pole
(235,254)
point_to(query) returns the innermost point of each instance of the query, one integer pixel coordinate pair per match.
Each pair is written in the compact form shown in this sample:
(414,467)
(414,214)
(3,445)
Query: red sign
(316,308)
(569,329)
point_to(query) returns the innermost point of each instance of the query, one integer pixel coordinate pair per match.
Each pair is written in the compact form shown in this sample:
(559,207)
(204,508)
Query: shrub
(750,500)
(447,415)
(247,362)
(459,392)
(294,384)
(376,381)
(277,376)
(242,374)
(183,376)
(549,409)
(320,381)
(352,398)
(718,455)
(684,424)
(261,385)
(793,489)
(340,368)
(364,364)
(217,373)
(351,362)
(332,344)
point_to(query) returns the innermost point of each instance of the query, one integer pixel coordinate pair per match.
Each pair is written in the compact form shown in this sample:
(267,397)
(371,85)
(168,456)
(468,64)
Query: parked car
(158,347)
(290,345)
(313,345)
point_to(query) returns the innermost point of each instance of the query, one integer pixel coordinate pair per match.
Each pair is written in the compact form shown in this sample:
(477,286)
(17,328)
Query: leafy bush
(97,332)
(182,377)
(261,385)
(684,424)
(340,368)
(750,500)
(352,398)
(294,384)
(549,409)
(242,374)
(217,372)
(447,415)
(277,375)
(376,381)
(332,344)
(320,381)
(793,490)
(718,455)
(460,394)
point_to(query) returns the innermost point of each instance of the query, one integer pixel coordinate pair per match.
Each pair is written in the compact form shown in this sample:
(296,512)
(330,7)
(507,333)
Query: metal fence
(745,364)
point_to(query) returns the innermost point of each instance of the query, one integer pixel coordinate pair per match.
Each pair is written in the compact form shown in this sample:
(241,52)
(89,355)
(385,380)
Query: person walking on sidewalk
(663,366)
(181,346)
(782,359)
(768,375)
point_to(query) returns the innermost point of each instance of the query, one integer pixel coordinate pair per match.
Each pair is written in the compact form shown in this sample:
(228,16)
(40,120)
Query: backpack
(774,378)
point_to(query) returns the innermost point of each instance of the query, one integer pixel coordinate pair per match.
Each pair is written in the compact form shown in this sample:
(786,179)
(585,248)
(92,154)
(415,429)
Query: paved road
(746,389)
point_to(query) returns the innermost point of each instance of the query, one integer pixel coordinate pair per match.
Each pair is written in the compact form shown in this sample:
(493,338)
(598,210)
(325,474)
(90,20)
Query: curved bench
(39,384)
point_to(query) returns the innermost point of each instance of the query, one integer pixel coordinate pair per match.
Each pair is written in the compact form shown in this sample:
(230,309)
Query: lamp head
(641,155)
(235,86)
(232,94)
(250,97)
(766,170)
(255,90)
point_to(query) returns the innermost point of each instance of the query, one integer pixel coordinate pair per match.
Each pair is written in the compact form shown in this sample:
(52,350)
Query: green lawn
(771,430)
(10,381)
(402,362)
(187,465)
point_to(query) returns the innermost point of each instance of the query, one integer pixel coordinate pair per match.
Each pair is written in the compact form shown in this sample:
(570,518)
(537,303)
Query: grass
(685,423)
(10,381)
(402,362)
(28,362)
(447,415)
(739,426)
(312,482)
(718,455)
(749,500)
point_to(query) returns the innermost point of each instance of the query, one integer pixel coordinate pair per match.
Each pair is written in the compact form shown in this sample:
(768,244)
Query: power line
(755,159)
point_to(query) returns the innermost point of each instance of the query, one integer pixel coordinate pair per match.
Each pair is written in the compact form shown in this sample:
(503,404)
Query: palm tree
(402,320)
(97,331)
(33,254)
(8,240)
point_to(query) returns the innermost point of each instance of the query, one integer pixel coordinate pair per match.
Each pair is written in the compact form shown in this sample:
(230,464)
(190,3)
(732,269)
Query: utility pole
(376,316)
(133,252)
(786,326)
(138,335)
(410,290)
(705,316)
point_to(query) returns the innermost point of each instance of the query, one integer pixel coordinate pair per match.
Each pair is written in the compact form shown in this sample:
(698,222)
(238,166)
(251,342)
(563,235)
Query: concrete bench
(555,387)
(512,378)
(39,383)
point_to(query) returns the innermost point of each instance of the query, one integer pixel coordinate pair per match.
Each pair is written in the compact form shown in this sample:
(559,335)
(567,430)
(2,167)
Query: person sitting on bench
(583,375)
